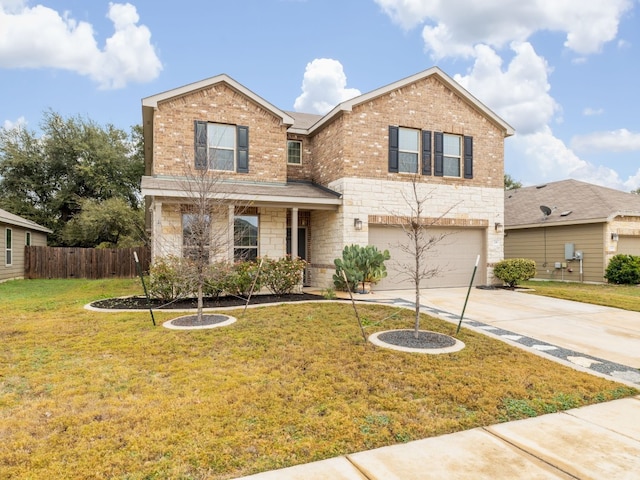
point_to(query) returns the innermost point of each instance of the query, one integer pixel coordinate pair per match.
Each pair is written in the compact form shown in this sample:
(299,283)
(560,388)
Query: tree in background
(510,183)
(48,178)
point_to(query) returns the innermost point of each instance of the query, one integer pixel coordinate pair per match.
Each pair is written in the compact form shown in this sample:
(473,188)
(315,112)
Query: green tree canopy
(510,183)
(46,178)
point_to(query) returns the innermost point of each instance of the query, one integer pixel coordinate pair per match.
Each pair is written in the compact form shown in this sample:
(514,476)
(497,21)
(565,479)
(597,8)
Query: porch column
(294,232)
(156,228)
(231,232)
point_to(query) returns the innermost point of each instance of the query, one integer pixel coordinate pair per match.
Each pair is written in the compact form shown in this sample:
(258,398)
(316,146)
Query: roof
(570,202)
(292,194)
(11,219)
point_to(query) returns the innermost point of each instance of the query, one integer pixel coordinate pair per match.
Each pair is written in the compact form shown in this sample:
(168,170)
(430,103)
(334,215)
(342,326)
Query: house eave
(556,224)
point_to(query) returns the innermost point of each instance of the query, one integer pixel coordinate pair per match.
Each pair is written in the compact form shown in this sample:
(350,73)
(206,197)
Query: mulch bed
(140,303)
(406,338)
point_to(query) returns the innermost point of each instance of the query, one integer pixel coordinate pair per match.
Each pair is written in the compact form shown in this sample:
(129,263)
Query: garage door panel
(454,257)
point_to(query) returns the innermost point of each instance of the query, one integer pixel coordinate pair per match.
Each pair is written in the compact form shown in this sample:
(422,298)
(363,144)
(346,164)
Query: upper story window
(408,150)
(221,146)
(294,152)
(451,155)
(8,247)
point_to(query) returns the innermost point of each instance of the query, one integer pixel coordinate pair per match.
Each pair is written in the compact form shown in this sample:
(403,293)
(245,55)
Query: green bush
(283,275)
(241,278)
(623,269)
(171,278)
(360,264)
(515,270)
(216,279)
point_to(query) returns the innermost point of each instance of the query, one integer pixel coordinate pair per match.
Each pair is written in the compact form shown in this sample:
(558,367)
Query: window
(452,154)
(221,147)
(451,159)
(8,247)
(245,238)
(408,148)
(196,236)
(294,152)
(27,239)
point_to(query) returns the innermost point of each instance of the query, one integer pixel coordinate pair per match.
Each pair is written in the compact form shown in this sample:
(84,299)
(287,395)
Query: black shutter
(243,150)
(468,157)
(393,149)
(200,142)
(426,152)
(438,150)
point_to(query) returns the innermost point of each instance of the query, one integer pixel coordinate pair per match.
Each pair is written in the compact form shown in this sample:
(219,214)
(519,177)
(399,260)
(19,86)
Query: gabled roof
(570,202)
(11,219)
(152,101)
(431,72)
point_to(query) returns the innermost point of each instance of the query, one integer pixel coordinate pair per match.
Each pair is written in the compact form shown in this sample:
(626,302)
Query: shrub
(216,279)
(283,275)
(241,278)
(171,278)
(360,264)
(515,270)
(623,269)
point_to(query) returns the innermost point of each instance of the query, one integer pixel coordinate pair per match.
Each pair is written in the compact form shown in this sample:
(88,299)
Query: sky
(564,73)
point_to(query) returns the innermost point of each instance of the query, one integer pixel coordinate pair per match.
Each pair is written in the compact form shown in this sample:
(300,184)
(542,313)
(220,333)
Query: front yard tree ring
(427,342)
(190,322)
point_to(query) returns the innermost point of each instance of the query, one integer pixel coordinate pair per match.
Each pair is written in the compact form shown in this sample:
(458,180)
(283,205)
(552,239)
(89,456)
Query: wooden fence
(63,262)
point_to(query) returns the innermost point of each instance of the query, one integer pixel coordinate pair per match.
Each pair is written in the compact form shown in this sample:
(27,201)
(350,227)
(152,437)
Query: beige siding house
(571,228)
(16,233)
(311,184)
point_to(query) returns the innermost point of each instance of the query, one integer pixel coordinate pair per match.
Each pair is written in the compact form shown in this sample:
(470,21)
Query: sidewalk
(600,441)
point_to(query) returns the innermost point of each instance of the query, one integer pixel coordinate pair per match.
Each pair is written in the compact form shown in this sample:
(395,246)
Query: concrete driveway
(601,332)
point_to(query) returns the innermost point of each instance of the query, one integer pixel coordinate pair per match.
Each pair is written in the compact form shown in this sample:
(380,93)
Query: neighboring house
(17,232)
(334,179)
(571,228)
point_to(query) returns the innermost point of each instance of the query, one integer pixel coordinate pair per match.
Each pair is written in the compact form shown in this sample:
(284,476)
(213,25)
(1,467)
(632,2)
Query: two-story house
(311,184)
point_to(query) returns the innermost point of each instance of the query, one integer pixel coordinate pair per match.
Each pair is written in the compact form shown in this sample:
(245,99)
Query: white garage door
(455,256)
(629,245)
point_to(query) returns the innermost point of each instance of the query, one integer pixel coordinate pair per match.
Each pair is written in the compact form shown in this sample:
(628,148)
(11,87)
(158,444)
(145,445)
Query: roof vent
(566,213)
(541,186)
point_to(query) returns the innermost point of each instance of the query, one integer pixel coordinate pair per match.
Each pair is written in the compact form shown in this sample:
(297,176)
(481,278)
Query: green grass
(108,395)
(609,295)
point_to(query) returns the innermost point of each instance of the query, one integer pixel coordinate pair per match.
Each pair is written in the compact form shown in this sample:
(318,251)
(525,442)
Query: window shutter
(243,150)
(468,157)
(393,149)
(200,142)
(426,152)
(438,151)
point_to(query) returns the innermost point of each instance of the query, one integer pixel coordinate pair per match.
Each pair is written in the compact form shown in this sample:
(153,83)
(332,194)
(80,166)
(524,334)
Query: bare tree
(420,242)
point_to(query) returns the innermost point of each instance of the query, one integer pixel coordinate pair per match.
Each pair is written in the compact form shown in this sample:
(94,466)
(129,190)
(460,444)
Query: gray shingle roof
(571,201)
(11,219)
(303,120)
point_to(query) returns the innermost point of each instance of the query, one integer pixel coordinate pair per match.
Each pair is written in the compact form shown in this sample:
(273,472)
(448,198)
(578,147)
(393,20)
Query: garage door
(455,255)
(629,245)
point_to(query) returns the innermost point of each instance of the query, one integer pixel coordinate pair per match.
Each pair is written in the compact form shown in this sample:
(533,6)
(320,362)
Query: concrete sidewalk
(595,442)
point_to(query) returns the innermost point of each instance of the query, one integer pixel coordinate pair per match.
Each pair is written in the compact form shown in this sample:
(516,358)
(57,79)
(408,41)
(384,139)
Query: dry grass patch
(626,297)
(107,395)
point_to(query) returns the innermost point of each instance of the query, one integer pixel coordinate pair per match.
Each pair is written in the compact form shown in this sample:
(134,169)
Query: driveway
(605,333)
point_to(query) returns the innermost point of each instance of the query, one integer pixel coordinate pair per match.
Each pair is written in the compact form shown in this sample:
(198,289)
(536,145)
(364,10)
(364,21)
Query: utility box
(578,255)
(558,265)
(569,251)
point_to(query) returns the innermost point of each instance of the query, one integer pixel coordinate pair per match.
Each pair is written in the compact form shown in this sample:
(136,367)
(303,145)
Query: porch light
(614,237)
(357,224)
(499,227)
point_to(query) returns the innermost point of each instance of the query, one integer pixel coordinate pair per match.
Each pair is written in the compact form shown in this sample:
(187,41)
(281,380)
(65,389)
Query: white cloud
(590,112)
(39,37)
(323,87)
(453,27)
(10,124)
(621,140)
(519,94)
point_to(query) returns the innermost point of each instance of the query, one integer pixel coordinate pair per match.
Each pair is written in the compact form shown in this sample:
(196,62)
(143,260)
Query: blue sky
(563,73)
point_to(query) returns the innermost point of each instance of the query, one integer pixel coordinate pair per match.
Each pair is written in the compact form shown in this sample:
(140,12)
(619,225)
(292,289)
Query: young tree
(510,183)
(420,242)
(46,178)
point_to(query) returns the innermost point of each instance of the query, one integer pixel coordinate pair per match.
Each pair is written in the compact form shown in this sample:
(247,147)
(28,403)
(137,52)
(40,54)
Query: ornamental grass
(107,395)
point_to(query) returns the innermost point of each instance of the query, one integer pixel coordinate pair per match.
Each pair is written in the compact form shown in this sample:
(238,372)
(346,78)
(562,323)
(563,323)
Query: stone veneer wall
(470,207)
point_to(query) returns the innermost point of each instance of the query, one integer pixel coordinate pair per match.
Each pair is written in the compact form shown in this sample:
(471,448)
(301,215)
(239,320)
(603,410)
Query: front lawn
(108,395)
(609,295)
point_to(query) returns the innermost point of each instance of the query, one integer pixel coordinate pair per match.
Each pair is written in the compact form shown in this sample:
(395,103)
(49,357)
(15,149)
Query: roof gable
(570,202)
